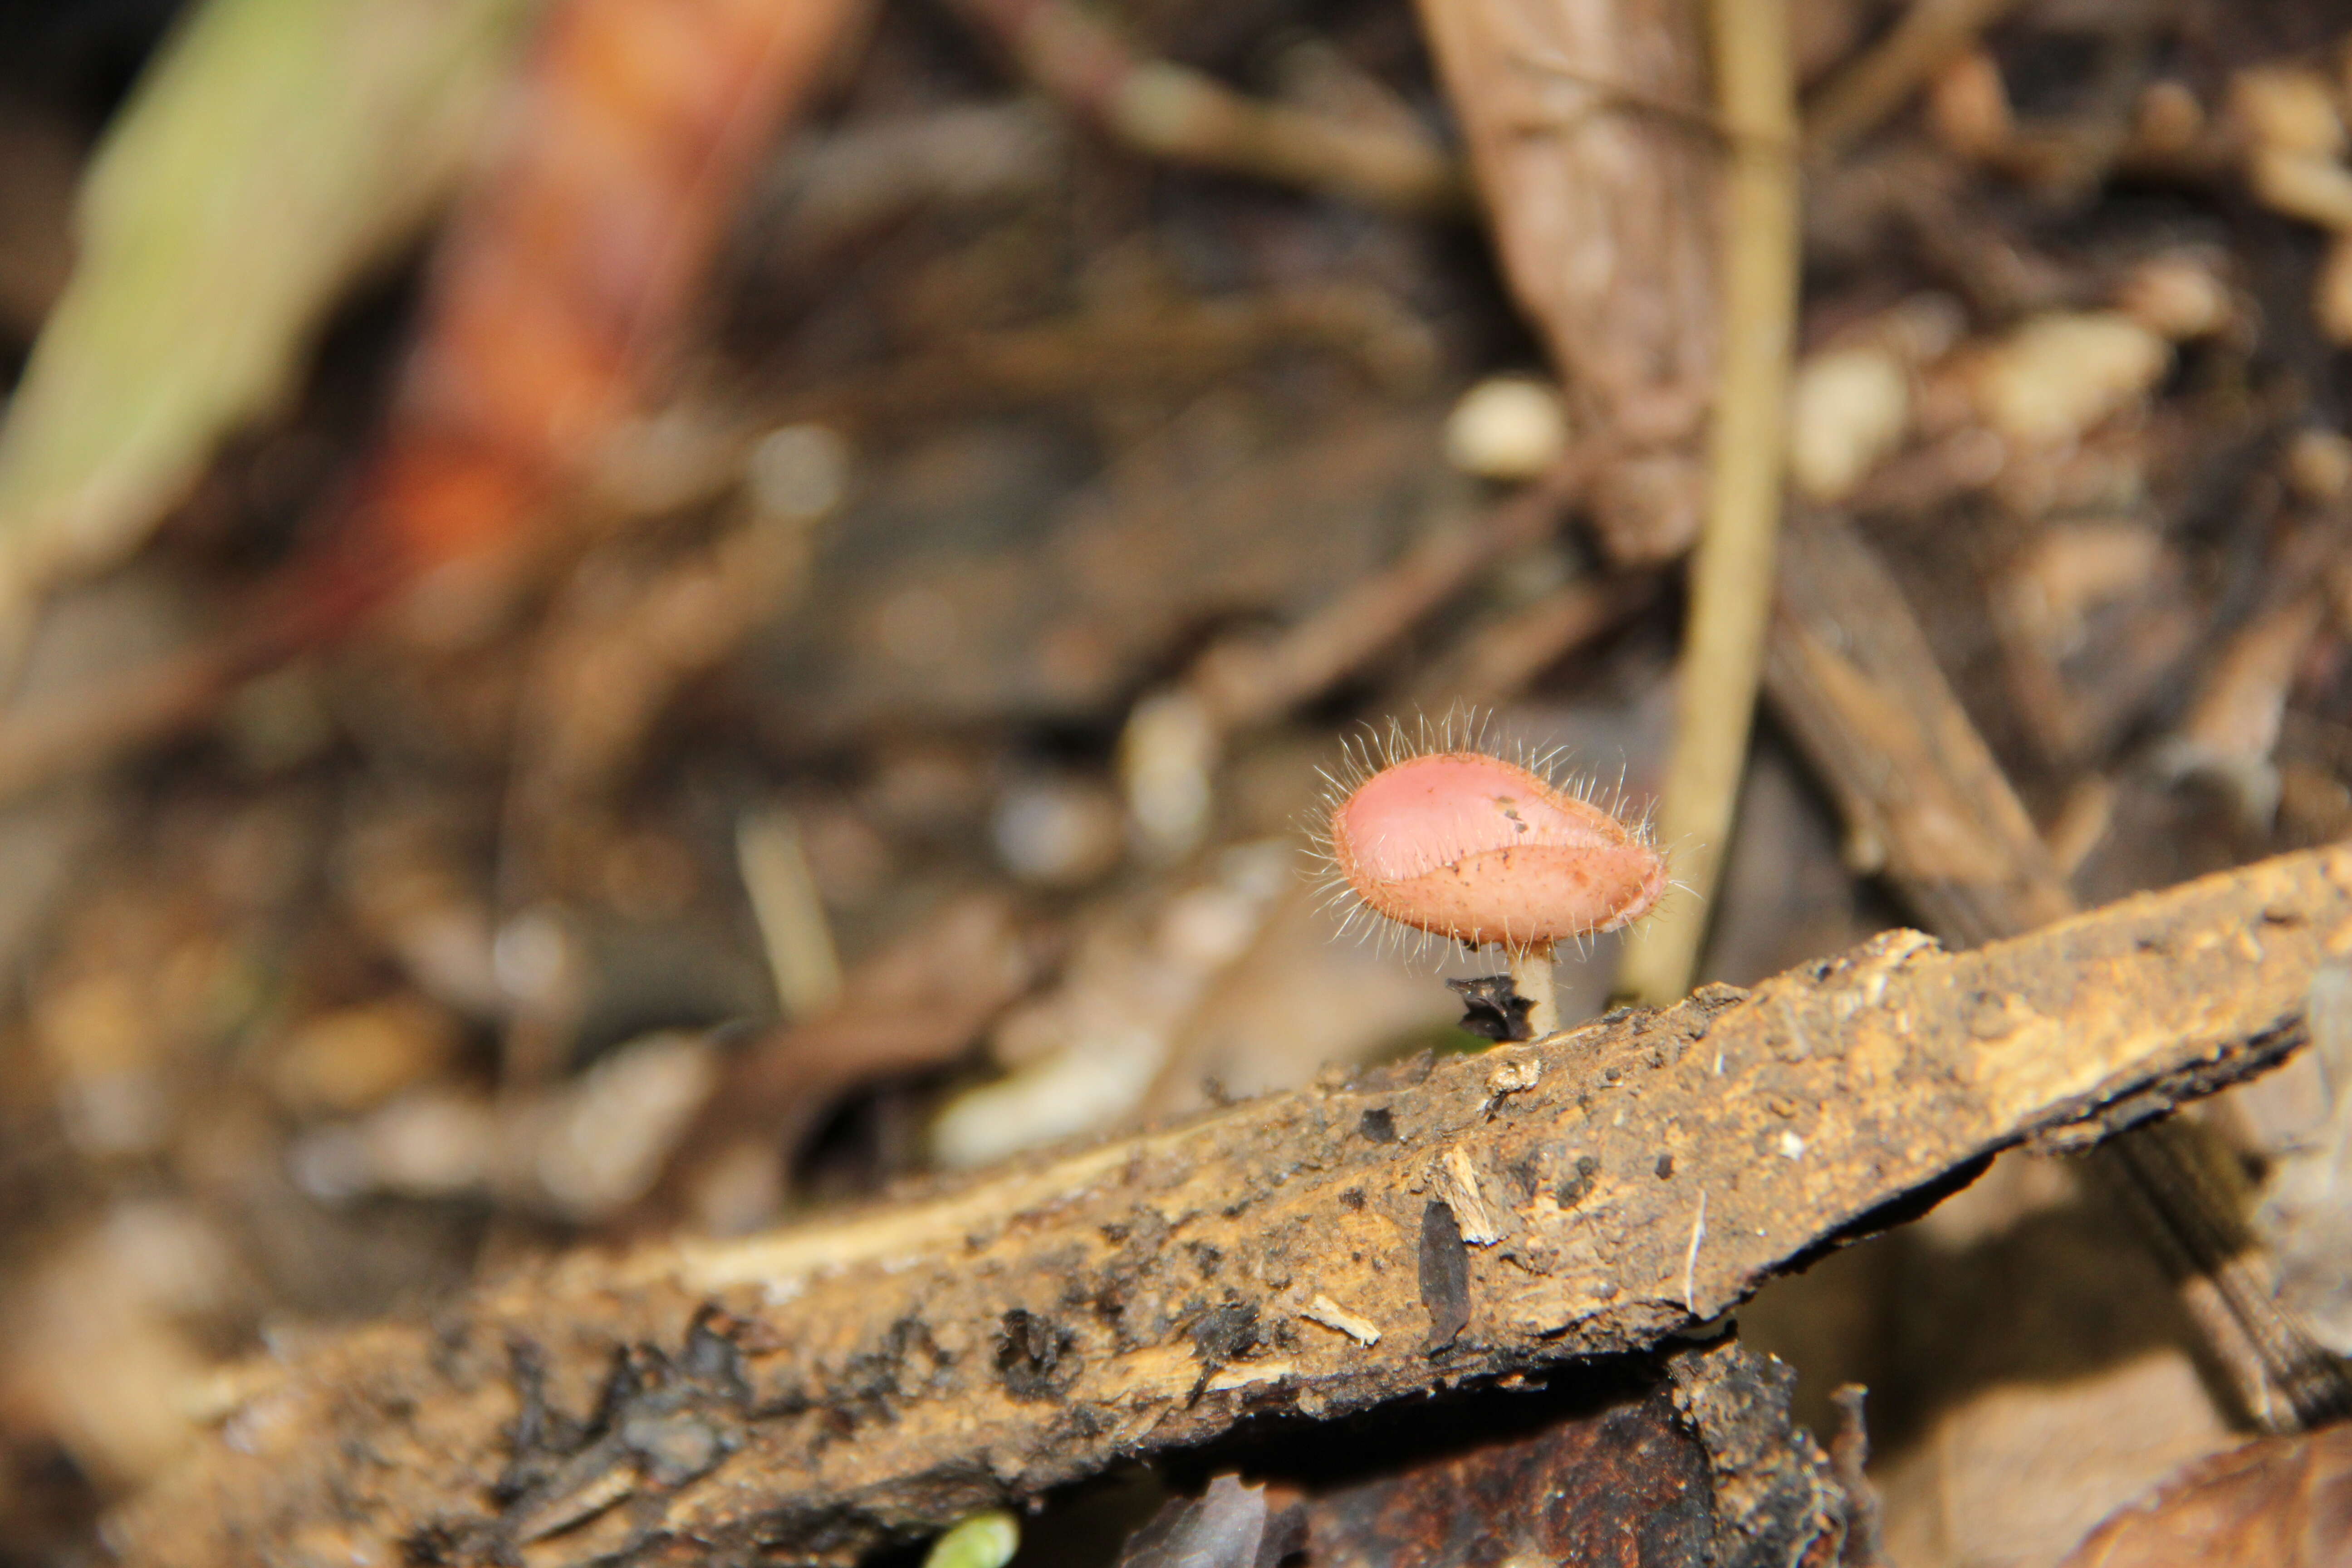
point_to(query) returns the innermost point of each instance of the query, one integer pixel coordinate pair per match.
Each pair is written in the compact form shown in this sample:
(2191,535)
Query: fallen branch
(810,1391)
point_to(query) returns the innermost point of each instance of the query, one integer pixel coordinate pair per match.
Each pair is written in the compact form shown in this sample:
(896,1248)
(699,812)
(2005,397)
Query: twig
(1174,345)
(1174,738)
(1172,112)
(802,960)
(1244,684)
(1931,33)
(1497,662)
(1731,571)
(813,1391)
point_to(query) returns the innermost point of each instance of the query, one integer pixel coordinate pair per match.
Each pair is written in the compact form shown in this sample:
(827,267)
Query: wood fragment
(1686,1458)
(1850,1461)
(896,1369)
(2232,725)
(1444,1275)
(1731,572)
(1456,1179)
(1765,1470)
(1332,1315)
(1851,673)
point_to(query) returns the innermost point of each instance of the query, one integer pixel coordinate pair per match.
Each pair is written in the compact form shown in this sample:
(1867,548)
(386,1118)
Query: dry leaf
(2281,1502)
(1586,120)
(274,151)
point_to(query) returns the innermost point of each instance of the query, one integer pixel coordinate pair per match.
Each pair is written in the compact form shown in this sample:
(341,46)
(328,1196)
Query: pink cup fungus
(1475,849)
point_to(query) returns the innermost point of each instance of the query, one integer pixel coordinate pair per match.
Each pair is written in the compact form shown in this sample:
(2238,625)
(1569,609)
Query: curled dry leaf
(1084,1056)
(913,1006)
(1586,121)
(2281,1502)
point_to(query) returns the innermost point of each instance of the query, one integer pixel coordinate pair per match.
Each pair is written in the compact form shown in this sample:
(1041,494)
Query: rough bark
(1687,1460)
(807,1393)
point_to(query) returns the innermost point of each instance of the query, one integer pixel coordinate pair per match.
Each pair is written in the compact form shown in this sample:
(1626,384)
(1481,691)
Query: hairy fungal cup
(1456,843)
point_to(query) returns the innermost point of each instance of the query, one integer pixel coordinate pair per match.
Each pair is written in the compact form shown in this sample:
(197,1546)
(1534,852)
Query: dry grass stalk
(1731,573)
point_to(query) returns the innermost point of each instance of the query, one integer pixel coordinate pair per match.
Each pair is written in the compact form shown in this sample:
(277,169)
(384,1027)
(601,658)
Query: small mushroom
(1479,850)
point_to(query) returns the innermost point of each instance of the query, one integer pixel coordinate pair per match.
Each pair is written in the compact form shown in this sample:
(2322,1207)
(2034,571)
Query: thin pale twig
(1731,570)
(1931,33)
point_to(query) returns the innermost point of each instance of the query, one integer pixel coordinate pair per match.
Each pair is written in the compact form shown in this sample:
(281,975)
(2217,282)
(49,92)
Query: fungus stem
(1531,978)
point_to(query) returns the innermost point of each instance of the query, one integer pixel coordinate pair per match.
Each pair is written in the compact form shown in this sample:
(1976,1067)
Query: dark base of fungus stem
(1531,977)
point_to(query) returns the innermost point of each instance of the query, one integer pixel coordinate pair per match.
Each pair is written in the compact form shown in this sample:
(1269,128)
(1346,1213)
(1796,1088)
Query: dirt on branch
(816,1390)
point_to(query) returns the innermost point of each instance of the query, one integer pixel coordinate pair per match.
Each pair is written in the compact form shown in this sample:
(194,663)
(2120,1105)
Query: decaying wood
(812,1390)
(1693,1455)
(1851,671)
(1590,132)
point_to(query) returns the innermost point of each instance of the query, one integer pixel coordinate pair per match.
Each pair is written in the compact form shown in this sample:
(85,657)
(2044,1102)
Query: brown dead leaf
(2279,1503)
(1587,121)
